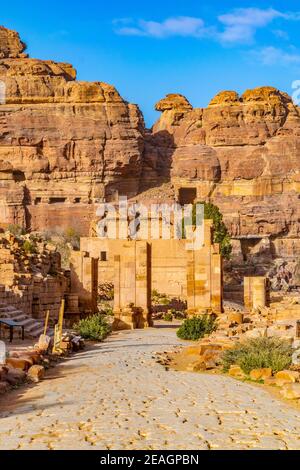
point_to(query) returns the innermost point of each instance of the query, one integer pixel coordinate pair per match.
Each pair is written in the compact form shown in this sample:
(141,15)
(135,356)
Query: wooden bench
(11,324)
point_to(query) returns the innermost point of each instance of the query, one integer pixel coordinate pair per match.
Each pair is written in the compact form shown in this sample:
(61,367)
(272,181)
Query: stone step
(19,317)
(14,313)
(7,308)
(36,332)
(32,327)
(28,323)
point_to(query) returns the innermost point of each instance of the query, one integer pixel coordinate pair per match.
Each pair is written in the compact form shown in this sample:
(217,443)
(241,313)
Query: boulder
(4,387)
(291,391)
(19,363)
(261,374)
(15,376)
(236,371)
(286,376)
(44,343)
(196,366)
(36,373)
(236,317)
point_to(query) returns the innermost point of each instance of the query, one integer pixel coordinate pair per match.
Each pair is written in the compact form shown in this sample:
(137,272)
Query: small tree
(221,234)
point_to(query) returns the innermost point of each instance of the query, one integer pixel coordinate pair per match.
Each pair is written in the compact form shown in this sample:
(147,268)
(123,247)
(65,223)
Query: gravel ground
(115,396)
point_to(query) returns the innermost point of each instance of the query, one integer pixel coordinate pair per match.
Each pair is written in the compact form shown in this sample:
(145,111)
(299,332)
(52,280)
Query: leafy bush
(259,352)
(16,230)
(178,314)
(221,234)
(159,299)
(28,247)
(106,309)
(72,237)
(64,241)
(94,327)
(196,327)
(167,316)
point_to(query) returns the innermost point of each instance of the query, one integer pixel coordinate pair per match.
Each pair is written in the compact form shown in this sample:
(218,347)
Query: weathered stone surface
(36,373)
(11,44)
(291,391)
(236,371)
(255,138)
(261,374)
(19,363)
(64,144)
(287,376)
(4,387)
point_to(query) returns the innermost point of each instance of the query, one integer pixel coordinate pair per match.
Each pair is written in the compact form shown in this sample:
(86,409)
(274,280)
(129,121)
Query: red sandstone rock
(66,144)
(36,373)
(19,363)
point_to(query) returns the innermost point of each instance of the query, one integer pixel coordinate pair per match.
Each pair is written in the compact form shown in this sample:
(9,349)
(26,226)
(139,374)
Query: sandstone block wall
(137,267)
(256,292)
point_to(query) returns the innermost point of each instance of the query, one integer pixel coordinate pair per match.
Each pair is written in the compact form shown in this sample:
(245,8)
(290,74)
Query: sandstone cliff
(243,154)
(66,144)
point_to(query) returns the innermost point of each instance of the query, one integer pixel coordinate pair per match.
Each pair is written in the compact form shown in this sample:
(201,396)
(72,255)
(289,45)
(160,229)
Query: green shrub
(94,327)
(196,327)
(106,309)
(178,314)
(221,234)
(259,352)
(29,247)
(167,316)
(159,299)
(16,230)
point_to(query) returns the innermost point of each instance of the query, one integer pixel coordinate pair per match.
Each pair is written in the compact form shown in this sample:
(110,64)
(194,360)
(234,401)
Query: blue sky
(149,49)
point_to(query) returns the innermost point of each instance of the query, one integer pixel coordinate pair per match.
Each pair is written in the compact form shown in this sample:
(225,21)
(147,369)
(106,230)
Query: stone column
(255,292)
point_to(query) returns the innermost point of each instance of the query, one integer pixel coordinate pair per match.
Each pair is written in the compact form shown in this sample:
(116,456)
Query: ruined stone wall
(31,281)
(192,275)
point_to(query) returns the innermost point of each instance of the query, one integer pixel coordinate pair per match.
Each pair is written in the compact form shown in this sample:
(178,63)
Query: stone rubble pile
(234,326)
(31,277)
(30,365)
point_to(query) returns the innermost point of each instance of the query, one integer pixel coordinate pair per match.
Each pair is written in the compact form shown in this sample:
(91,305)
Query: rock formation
(243,154)
(66,145)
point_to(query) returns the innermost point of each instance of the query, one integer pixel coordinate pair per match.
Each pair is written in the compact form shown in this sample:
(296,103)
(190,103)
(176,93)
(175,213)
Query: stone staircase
(33,328)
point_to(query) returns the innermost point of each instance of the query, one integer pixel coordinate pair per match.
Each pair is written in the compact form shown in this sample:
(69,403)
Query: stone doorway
(187,195)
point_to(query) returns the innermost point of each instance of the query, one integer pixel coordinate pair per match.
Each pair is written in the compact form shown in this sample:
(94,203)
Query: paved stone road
(114,396)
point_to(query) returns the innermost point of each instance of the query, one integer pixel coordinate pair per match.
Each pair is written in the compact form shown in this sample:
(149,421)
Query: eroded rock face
(250,148)
(11,44)
(64,144)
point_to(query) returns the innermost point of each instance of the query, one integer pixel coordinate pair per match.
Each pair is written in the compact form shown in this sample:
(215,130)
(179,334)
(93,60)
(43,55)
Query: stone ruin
(136,267)
(65,145)
(32,282)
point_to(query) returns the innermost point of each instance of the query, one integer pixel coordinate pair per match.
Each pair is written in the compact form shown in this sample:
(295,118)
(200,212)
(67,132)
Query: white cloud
(241,24)
(281,34)
(275,56)
(176,26)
